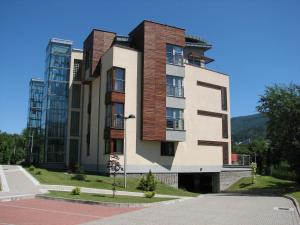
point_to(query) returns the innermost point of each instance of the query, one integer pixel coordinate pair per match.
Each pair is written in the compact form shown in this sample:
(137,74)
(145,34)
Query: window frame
(164,148)
(172,53)
(111,80)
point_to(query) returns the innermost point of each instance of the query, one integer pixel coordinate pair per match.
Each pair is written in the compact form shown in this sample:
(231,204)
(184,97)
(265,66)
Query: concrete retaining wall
(227,178)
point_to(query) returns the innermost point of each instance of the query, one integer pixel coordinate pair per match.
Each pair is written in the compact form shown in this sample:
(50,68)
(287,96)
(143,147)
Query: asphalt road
(218,209)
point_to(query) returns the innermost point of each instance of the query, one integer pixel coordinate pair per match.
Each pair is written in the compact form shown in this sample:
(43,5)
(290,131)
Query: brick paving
(218,209)
(51,212)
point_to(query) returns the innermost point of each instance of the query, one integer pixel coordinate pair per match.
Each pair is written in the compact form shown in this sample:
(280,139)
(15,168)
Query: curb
(16,197)
(29,176)
(111,204)
(295,202)
(3,183)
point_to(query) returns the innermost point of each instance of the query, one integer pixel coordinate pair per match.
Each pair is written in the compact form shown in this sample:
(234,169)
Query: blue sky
(256,42)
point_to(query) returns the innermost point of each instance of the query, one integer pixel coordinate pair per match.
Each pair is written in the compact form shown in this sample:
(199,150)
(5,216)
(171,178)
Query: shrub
(31,168)
(149,194)
(80,174)
(76,191)
(38,172)
(148,184)
(81,177)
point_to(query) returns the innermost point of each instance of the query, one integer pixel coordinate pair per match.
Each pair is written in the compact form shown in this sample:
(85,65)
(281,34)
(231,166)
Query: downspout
(98,131)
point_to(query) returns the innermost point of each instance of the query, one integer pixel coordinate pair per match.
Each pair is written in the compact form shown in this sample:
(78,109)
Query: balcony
(175,91)
(175,129)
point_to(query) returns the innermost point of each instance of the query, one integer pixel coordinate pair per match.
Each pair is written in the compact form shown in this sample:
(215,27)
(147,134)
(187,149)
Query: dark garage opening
(196,182)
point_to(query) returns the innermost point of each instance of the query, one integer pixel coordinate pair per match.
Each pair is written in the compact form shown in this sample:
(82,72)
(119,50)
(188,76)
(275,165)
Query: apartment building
(150,94)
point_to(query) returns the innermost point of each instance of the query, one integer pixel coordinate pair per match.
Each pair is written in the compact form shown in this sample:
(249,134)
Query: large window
(175,119)
(116,79)
(77,70)
(114,146)
(76,93)
(75,119)
(175,86)
(114,115)
(174,55)
(167,149)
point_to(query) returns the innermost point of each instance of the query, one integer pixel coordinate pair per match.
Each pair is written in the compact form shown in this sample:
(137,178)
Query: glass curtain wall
(55,102)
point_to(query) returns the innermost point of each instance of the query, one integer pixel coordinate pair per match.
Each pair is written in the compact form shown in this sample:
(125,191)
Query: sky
(255,42)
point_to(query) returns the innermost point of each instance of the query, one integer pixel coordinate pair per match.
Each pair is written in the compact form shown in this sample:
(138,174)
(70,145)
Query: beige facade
(145,155)
(74,106)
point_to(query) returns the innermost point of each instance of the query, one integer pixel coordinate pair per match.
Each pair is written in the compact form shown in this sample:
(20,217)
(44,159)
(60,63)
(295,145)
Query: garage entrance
(197,182)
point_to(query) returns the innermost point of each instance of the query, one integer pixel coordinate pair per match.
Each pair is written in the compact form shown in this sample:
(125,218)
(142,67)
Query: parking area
(51,212)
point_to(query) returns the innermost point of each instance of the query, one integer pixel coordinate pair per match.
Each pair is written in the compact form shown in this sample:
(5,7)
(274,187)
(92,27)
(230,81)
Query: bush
(31,168)
(38,172)
(76,191)
(284,174)
(148,184)
(80,174)
(149,194)
(81,177)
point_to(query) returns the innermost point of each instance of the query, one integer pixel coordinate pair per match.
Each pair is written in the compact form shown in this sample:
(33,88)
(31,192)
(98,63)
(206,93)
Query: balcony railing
(175,91)
(175,124)
(117,121)
(240,159)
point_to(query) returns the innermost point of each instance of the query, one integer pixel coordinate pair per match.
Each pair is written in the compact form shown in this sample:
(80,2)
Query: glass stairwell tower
(55,99)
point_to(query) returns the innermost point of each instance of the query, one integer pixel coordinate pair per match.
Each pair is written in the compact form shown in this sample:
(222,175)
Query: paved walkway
(17,183)
(218,209)
(102,191)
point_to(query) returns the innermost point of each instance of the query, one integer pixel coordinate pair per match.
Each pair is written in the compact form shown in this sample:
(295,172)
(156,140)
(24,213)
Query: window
(74,130)
(174,55)
(175,119)
(114,115)
(167,149)
(73,149)
(114,146)
(118,146)
(175,86)
(77,70)
(116,79)
(76,92)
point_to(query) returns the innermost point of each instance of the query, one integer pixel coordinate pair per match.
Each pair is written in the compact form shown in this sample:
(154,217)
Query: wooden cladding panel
(218,115)
(110,133)
(151,38)
(96,44)
(224,145)
(118,97)
(217,87)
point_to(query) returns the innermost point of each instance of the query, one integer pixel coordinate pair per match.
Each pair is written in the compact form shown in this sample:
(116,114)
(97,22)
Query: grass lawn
(103,182)
(106,198)
(267,184)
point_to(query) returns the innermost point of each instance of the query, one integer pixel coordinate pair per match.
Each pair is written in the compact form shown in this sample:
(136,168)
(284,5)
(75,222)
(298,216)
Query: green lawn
(103,182)
(267,184)
(106,198)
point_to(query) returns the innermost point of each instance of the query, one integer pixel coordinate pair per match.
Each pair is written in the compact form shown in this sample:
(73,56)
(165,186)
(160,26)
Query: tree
(114,166)
(281,104)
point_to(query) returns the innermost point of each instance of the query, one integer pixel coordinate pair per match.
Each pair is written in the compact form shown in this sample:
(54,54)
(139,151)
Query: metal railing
(240,159)
(175,91)
(117,121)
(175,124)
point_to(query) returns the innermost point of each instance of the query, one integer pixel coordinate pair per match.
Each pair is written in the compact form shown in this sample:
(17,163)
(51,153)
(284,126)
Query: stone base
(227,178)
(166,178)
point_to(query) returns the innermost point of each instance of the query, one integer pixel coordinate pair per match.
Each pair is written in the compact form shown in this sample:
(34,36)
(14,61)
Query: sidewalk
(102,191)
(17,183)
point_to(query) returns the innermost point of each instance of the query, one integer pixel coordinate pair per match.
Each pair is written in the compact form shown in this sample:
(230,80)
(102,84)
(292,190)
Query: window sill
(171,129)
(171,96)
(175,64)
